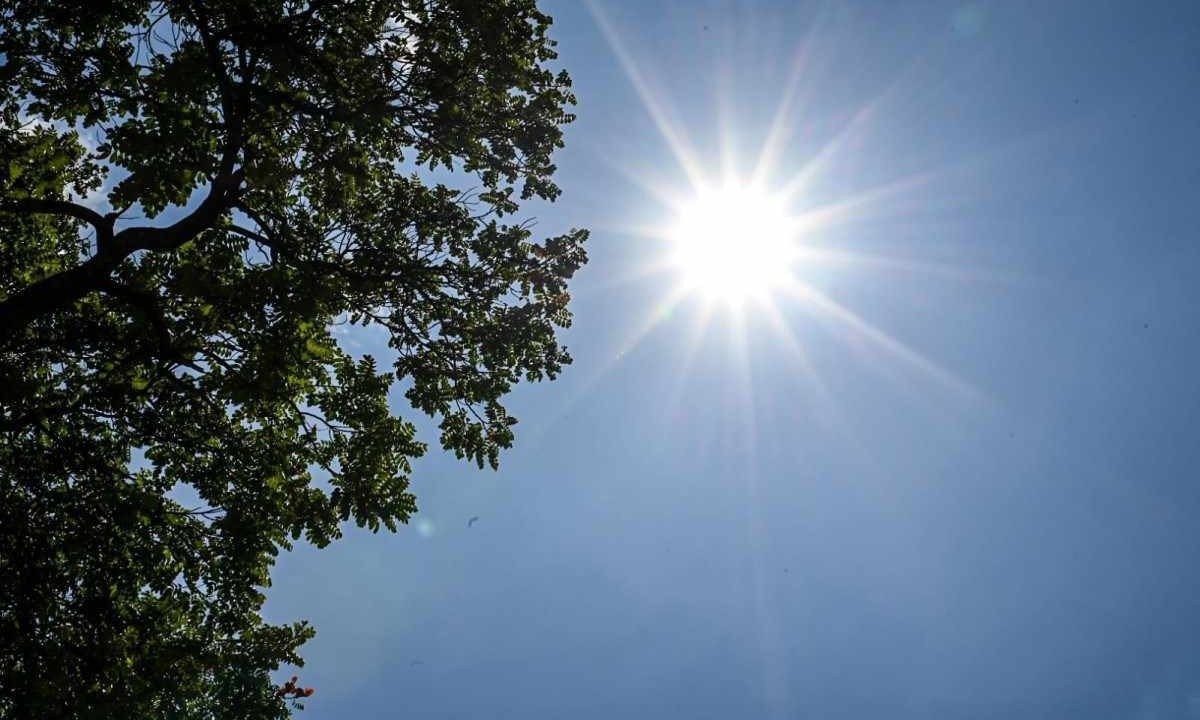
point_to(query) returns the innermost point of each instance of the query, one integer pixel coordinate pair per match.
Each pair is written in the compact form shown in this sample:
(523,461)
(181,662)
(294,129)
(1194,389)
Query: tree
(270,167)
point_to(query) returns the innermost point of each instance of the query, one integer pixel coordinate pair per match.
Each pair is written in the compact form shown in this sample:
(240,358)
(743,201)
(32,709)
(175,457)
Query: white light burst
(741,244)
(733,242)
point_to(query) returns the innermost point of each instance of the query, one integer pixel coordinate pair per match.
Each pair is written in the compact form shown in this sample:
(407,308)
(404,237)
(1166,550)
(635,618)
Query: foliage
(270,167)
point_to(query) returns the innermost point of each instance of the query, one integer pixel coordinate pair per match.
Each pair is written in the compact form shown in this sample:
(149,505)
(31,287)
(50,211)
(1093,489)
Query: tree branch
(61,289)
(59,207)
(256,237)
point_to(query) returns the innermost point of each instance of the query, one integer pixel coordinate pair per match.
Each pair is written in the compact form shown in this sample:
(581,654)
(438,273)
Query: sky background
(976,497)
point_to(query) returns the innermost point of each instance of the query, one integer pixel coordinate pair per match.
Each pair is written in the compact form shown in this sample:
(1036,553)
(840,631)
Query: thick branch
(60,207)
(61,289)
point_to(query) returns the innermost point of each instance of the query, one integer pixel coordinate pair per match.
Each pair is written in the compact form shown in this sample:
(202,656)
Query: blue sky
(964,488)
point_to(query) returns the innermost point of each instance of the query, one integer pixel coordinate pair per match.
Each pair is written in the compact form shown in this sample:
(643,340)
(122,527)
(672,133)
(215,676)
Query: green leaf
(317,350)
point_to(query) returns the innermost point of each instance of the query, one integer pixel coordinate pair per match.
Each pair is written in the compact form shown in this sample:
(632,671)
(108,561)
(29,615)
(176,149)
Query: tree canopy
(194,195)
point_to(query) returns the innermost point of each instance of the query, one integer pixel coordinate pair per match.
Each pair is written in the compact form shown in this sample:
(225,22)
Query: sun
(733,243)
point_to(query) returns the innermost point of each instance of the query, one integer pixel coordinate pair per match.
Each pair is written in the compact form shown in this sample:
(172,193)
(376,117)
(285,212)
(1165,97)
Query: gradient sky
(968,489)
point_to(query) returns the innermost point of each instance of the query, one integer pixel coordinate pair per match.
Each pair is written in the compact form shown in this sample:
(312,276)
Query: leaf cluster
(268,167)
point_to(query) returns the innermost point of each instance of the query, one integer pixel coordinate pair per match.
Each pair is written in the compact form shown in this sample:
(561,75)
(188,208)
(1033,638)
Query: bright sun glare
(745,236)
(733,243)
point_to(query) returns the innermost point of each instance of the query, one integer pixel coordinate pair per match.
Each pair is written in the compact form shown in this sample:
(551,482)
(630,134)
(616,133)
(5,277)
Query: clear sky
(950,468)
